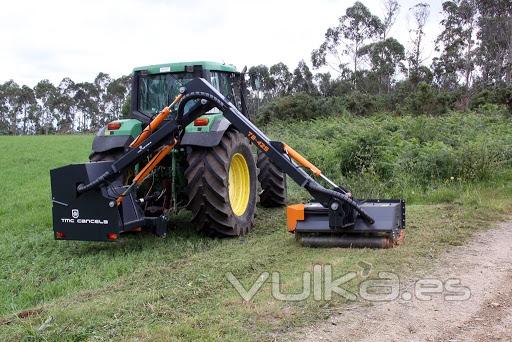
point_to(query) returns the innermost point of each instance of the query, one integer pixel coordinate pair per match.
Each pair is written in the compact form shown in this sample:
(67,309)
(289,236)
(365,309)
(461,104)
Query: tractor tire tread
(273,183)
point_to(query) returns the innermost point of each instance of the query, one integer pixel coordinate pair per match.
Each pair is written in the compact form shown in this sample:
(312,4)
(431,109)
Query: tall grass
(419,158)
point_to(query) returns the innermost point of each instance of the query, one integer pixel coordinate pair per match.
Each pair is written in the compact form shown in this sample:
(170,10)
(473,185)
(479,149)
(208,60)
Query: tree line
(359,64)
(372,71)
(65,108)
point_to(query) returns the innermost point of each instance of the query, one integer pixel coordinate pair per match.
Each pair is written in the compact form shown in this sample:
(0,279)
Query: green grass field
(148,288)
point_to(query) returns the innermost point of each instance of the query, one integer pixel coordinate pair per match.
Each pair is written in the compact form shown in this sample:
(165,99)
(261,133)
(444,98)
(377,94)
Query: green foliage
(360,104)
(300,106)
(498,95)
(426,99)
(381,155)
(125,109)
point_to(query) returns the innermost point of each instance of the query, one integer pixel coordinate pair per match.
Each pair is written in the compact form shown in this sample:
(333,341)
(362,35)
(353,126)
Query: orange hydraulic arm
(307,164)
(139,178)
(157,158)
(301,160)
(153,125)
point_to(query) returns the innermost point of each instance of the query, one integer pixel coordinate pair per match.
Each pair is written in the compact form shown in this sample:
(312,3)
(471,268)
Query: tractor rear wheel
(272,182)
(111,155)
(222,186)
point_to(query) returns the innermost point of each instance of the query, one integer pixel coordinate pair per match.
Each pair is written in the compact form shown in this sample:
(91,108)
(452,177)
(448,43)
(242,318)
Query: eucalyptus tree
(495,34)
(456,45)
(420,12)
(386,58)
(355,29)
(302,81)
(281,78)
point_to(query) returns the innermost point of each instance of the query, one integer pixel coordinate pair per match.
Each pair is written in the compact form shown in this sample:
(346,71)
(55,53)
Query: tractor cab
(155,86)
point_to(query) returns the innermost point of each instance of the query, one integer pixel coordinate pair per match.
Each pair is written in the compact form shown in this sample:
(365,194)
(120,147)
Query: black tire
(272,182)
(113,155)
(110,155)
(208,187)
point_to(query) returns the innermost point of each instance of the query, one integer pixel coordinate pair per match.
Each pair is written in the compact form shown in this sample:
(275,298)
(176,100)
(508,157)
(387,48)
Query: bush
(360,104)
(303,106)
(422,99)
(426,99)
(370,151)
(4,129)
(499,95)
(428,162)
(300,106)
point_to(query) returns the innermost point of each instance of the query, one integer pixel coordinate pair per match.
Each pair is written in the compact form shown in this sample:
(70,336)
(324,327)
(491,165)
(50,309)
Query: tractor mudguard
(118,137)
(102,143)
(206,139)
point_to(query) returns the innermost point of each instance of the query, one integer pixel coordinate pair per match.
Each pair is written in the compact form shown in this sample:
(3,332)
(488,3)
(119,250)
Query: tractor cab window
(214,80)
(223,83)
(157,91)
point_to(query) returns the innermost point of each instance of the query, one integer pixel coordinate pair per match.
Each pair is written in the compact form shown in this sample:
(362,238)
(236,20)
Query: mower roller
(100,200)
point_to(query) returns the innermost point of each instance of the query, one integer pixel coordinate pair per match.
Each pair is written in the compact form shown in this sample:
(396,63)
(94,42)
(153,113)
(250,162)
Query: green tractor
(189,155)
(213,172)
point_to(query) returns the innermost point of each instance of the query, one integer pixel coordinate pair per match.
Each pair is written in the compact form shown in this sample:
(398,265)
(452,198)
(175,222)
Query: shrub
(499,95)
(300,106)
(358,103)
(426,99)
(428,162)
(371,150)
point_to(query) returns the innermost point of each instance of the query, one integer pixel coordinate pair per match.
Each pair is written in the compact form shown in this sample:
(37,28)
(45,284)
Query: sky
(54,39)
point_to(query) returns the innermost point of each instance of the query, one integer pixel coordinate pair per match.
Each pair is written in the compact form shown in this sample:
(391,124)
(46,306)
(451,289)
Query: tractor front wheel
(222,186)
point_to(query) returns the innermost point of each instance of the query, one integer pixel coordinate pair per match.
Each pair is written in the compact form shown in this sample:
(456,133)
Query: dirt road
(484,265)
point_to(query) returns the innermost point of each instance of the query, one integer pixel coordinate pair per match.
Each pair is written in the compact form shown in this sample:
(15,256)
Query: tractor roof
(178,67)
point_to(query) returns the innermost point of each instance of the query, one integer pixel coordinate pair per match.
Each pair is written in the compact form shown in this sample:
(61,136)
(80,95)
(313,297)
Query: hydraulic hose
(315,187)
(81,188)
(197,95)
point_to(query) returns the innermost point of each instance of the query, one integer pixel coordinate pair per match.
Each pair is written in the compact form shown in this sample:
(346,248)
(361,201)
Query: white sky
(55,39)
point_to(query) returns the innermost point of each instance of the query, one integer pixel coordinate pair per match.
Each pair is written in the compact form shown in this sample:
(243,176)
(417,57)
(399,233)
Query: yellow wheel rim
(239,184)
